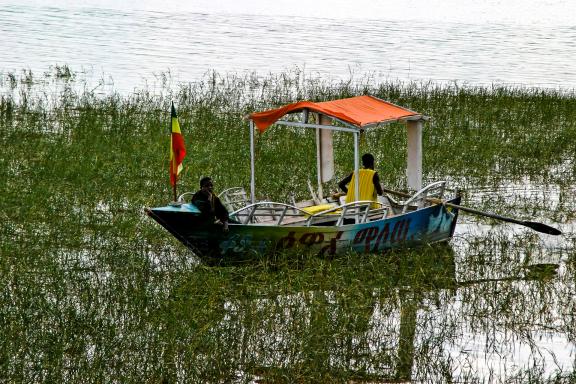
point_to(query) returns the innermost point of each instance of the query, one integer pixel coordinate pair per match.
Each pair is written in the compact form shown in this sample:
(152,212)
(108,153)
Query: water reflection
(363,334)
(423,325)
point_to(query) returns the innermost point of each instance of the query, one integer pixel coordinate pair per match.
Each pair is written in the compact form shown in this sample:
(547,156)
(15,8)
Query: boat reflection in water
(406,325)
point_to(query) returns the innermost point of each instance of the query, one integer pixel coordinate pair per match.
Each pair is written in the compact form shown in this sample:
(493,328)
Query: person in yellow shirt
(368,183)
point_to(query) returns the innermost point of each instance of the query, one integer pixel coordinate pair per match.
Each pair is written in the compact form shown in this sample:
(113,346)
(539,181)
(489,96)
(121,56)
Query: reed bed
(94,291)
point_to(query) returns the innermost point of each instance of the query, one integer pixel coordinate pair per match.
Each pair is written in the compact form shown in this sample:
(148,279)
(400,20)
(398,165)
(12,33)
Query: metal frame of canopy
(414,153)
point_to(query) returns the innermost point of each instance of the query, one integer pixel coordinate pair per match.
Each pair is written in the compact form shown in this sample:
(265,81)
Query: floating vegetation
(95,292)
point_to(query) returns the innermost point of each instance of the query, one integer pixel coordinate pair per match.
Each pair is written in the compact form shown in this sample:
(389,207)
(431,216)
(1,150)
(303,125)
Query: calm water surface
(128,44)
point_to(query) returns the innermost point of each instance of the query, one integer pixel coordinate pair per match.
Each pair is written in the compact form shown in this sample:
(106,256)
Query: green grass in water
(94,291)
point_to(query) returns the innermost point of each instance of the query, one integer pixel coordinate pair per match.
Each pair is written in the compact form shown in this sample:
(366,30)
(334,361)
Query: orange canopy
(359,111)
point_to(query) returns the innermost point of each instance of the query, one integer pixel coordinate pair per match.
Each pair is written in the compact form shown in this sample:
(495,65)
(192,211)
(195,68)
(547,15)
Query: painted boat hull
(412,229)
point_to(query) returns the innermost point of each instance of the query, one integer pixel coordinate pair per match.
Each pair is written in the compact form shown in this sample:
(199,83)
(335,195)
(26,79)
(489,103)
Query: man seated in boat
(209,204)
(368,183)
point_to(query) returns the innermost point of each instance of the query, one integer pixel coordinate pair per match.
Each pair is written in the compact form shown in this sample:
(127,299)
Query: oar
(539,227)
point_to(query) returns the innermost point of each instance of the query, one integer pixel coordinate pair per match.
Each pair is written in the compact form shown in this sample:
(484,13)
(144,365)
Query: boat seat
(269,213)
(419,199)
(234,198)
(395,208)
(358,211)
(273,213)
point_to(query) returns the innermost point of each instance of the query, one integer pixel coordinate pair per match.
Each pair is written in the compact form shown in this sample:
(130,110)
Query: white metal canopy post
(319,162)
(356,163)
(356,169)
(252,176)
(414,161)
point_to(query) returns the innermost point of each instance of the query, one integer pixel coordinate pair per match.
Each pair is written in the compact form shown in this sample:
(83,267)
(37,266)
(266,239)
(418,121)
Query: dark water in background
(128,44)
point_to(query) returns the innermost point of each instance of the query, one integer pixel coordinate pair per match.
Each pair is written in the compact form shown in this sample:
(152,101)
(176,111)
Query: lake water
(129,44)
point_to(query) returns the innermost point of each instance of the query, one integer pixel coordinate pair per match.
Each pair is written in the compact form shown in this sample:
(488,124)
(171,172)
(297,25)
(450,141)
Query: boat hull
(412,229)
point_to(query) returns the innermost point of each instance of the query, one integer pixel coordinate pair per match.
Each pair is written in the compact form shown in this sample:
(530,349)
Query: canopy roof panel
(359,111)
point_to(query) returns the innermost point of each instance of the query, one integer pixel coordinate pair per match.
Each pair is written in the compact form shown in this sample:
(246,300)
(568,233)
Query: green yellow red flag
(177,148)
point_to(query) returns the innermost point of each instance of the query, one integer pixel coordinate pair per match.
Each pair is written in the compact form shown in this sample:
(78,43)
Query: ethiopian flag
(177,149)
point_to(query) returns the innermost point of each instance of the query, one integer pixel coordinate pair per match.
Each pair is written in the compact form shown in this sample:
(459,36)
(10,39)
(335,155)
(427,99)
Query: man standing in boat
(368,183)
(209,204)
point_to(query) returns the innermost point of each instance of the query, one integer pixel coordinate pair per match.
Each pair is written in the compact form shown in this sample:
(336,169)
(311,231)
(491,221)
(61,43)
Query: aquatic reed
(94,291)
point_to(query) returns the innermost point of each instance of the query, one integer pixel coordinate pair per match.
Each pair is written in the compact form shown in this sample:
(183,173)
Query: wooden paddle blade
(542,228)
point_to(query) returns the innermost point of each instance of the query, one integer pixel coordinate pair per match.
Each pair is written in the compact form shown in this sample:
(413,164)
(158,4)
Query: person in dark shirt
(369,182)
(209,204)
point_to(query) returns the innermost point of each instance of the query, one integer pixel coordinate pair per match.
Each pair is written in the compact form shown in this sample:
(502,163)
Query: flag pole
(177,150)
(175,196)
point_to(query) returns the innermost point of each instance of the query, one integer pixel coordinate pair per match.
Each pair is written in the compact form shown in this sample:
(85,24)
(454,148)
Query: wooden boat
(327,226)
